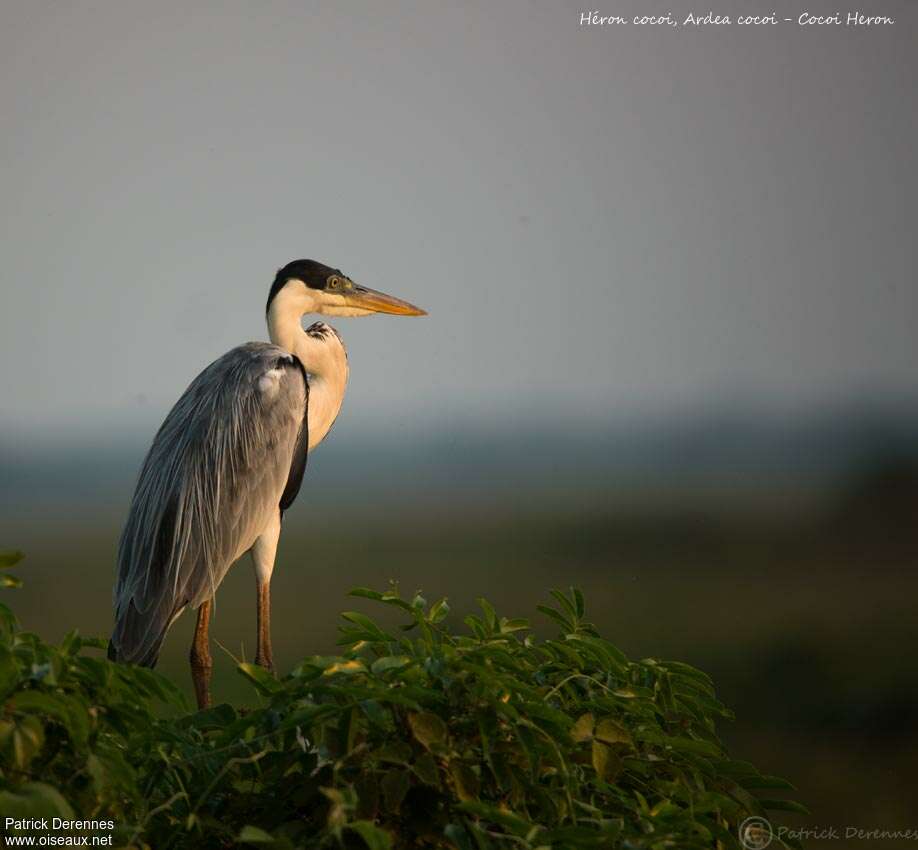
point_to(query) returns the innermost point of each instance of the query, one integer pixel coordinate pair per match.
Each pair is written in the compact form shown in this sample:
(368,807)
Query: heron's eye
(333,283)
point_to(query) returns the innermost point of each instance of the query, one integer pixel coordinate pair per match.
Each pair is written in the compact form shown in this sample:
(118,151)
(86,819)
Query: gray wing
(228,456)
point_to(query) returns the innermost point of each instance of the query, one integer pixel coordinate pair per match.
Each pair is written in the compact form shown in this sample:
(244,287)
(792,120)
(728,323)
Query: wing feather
(219,468)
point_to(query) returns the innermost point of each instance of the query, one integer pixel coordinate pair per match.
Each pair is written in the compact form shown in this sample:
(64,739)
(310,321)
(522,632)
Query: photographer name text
(596,18)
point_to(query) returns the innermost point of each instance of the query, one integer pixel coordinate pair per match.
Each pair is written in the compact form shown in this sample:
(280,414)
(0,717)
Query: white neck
(323,356)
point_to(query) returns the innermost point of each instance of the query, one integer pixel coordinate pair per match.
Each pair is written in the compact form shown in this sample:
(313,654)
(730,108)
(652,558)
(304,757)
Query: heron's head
(311,287)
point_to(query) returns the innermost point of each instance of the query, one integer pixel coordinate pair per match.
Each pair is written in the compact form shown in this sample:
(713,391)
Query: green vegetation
(419,738)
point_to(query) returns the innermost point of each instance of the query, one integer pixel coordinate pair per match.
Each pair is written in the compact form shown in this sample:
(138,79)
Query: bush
(424,738)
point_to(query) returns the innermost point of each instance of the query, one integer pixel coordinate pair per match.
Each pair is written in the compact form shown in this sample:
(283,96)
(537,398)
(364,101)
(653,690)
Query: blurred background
(671,352)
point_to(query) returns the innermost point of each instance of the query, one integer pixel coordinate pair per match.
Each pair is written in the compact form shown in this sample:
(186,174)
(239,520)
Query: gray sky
(616,218)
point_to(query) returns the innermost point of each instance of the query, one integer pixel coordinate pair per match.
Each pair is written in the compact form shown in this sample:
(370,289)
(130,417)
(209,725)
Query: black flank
(300,450)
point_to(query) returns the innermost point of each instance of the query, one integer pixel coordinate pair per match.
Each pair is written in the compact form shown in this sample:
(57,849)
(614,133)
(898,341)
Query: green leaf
(565,603)
(254,835)
(582,730)
(476,625)
(438,611)
(9,670)
(465,781)
(395,785)
(72,642)
(514,625)
(263,680)
(704,748)
(71,715)
(217,717)
(389,662)
(611,657)
(8,624)
(611,732)
(428,728)
(770,782)
(366,593)
(374,837)
(348,667)
(370,629)
(21,739)
(35,800)
(458,836)
(606,762)
(566,624)
(6,580)
(425,768)
(785,806)
(10,559)
(490,615)
(390,597)
(505,817)
(394,752)
(110,773)
(686,671)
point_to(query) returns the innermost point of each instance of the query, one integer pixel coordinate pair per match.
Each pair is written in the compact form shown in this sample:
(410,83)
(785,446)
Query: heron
(227,463)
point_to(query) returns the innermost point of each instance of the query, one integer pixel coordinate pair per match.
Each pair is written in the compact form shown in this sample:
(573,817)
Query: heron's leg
(263,654)
(263,553)
(201,664)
